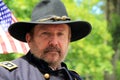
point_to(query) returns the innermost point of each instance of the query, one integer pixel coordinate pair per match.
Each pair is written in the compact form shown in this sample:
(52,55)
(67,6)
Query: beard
(53,55)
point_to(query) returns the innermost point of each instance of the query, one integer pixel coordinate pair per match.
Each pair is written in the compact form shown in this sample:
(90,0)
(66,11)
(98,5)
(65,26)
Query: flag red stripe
(13,18)
(11,42)
(23,47)
(4,49)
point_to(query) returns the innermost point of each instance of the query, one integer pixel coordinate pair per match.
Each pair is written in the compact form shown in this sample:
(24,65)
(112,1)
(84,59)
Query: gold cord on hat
(55,18)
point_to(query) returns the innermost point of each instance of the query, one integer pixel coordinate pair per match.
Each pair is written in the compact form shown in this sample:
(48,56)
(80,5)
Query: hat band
(55,18)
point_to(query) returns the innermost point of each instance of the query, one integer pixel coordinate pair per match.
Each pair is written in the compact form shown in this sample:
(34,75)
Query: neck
(55,67)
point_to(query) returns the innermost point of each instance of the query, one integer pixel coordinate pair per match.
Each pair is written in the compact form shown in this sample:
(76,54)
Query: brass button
(46,76)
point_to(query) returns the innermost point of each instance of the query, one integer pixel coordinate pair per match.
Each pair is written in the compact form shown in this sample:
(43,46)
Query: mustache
(52,48)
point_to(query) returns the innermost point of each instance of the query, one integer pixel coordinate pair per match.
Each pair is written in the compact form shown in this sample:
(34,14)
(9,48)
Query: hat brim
(79,29)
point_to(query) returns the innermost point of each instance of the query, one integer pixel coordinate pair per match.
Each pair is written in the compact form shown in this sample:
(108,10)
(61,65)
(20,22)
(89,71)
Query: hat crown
(48,8)
(50,12)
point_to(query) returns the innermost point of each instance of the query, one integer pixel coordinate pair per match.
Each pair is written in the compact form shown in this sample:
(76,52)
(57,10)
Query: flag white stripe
(18,45)
(5,39)
(1,51)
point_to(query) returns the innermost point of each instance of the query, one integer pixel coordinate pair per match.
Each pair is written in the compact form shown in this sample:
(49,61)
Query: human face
(49,42)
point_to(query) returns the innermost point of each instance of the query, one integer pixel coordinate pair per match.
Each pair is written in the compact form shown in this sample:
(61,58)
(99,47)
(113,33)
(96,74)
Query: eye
(45,34)
(60,34)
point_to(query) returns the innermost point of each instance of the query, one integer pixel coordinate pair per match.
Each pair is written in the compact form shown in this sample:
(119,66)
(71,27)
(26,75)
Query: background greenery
(90,57)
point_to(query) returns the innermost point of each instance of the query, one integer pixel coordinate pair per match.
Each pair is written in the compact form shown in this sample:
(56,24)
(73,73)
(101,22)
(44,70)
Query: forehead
(51,27)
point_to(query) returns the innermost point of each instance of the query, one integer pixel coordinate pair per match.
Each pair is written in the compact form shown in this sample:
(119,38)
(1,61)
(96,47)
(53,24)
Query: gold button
(46,76)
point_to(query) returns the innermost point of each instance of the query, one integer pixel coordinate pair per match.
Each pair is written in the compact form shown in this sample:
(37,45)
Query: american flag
(7,43)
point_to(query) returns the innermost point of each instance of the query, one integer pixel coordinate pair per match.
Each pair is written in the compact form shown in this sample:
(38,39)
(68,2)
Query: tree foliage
(10,56)
(113,16)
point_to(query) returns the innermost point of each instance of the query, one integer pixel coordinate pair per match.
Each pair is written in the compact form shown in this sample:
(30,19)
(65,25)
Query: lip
(52,52)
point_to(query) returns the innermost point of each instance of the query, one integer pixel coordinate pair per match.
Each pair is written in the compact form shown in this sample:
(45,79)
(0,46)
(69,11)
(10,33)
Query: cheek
(64,45)
(37,45)
(41,45)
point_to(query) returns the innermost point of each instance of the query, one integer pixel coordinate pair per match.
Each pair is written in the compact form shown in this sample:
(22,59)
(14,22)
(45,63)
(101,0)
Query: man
(48,36)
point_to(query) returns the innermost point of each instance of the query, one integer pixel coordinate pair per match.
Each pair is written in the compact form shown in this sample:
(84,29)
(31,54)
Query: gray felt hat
(50,12)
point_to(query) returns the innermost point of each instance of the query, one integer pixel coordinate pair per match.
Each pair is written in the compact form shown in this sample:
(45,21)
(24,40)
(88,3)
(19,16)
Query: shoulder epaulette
(8,65)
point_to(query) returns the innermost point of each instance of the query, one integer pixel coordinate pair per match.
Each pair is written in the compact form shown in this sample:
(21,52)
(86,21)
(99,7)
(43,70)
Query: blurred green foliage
(10,56)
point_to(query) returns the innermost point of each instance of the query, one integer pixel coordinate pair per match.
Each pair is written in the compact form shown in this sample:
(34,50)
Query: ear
(28,37)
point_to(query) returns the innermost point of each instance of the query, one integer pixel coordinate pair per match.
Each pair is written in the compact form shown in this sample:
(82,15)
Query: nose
(53,41)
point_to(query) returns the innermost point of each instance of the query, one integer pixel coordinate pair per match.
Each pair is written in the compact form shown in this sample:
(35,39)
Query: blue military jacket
(30,68)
